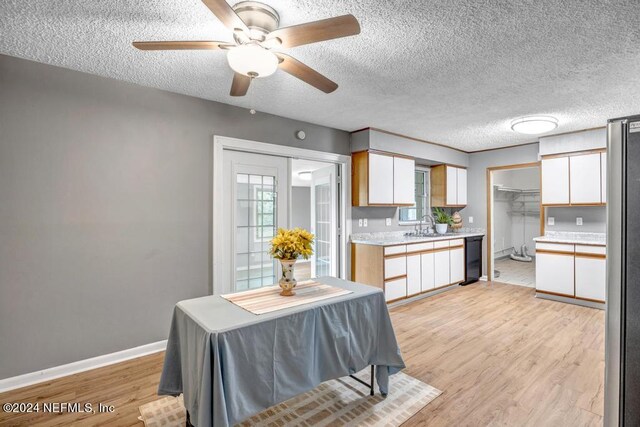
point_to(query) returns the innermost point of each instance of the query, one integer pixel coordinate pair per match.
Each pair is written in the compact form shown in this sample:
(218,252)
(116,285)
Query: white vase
(287,282)
(441,228)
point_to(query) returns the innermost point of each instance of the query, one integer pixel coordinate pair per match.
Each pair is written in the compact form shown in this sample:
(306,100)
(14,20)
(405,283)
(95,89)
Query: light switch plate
(360,222)
(364,222)
(388,222)
(579,220)
(551,221)
(470,220)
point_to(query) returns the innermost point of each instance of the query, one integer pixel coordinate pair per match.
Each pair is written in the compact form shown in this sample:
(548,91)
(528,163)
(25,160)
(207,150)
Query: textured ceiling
(449,71)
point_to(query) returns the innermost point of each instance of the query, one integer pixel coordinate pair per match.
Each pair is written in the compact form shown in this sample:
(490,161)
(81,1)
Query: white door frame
(221,143)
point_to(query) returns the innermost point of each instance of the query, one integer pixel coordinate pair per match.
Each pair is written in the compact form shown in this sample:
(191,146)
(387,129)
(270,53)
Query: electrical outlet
(364,222)
(551,221)
(360,222)
(388,222)
(579,220)
(470,220)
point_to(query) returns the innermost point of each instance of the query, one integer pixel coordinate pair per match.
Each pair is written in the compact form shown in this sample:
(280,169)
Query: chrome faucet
(433,221)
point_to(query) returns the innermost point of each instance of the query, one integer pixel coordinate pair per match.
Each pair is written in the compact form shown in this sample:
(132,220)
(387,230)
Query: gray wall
(594,219)
(477,182)
(105,208)
(301,214)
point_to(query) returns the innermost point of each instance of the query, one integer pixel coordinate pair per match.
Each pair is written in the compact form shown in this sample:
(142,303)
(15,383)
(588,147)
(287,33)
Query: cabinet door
(404,181)
(603,177)
(555,273)
(456,259)
(380,179)
(462,186)
(441,268)
(428,272)
(585,184)
(591,278)
(395,289)
(452,185)
(413,275)
(555,181)
(394,267)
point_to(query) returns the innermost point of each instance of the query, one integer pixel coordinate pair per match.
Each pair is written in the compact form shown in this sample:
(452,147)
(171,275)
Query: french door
(324,211)
(256,199)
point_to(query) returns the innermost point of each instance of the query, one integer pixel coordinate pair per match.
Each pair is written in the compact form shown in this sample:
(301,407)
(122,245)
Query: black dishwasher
(473,257)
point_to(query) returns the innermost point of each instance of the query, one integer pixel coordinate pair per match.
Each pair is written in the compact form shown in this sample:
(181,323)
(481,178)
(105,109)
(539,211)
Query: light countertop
(398,237)
(575,238)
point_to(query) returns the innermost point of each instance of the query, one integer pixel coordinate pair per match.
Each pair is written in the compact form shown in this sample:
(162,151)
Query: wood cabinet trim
(573,153)
(546,251)
(555,293)
(588,255)
(391,256)
(394,278)
(591,300)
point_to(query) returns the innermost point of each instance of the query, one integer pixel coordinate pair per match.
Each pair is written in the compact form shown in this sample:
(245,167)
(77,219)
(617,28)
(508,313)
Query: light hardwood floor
(500,356)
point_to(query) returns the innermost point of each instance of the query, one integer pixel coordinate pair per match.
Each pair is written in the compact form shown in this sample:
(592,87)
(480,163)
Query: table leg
(373,381)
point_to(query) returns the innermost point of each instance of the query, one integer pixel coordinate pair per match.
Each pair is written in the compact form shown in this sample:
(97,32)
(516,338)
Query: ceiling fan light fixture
(534,125)
(252,60)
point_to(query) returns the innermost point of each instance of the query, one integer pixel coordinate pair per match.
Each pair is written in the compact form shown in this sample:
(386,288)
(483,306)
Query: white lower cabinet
(414,285)
(555,273)
(427,271)
(395,289)
(456,260)
(591,277)
(441,268)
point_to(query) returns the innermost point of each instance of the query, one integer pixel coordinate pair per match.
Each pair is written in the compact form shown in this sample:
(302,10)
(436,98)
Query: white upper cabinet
(452,185)
(462,186)
(603,177)
(585,182)
(404,181)
(555,181)
(380,179)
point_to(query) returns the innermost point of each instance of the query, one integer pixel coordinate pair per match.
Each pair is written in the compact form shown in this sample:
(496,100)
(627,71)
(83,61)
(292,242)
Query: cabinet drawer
(394,267)
(395,289)
(456,242)
(555,247)
(419,247)
(393,250)
(441,244)
(591,250)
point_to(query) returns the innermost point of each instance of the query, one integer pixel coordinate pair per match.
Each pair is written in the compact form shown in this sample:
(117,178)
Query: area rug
(341,402)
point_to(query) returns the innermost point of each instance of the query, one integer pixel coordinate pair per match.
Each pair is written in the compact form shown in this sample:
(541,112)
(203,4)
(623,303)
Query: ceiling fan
(258,39)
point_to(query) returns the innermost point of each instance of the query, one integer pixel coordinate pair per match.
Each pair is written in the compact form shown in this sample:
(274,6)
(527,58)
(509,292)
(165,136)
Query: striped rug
(268,299)
(335,403)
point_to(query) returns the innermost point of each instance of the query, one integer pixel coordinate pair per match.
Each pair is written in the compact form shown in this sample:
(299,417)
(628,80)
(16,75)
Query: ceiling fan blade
(306,73)
(226,14)
(240,85)
(180,45)
(317,31)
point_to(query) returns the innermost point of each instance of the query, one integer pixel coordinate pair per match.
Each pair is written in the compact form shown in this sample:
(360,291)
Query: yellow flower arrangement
(292,244)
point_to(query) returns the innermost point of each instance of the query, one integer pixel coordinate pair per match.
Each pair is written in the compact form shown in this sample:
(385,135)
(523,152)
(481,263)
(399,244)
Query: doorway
(314,207)
(258,188)
(514,219)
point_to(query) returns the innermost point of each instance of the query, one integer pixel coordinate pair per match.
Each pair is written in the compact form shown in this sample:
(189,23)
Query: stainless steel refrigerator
(622,339)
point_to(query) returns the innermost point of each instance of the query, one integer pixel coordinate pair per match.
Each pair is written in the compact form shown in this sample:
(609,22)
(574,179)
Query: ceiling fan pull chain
(251,99)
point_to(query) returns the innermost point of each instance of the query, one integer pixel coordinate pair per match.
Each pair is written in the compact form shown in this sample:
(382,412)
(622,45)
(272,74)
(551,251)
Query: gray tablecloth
(231,364)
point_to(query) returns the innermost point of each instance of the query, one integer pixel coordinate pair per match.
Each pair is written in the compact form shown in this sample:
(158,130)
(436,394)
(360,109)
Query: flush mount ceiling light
(252,60)
(534,125)
(305,175)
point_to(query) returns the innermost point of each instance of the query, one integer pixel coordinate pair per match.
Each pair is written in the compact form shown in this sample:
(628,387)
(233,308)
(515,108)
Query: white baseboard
(80,366)
(484,278)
